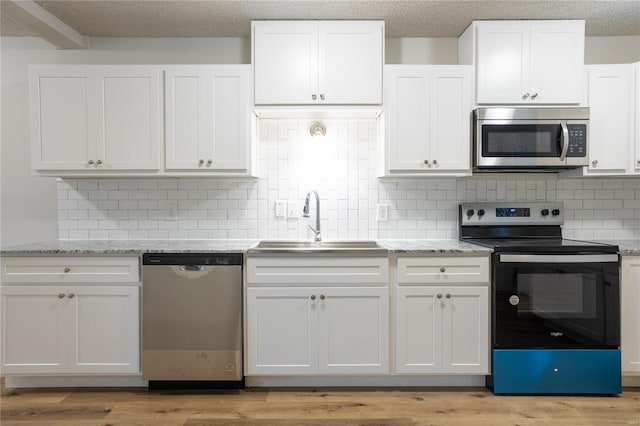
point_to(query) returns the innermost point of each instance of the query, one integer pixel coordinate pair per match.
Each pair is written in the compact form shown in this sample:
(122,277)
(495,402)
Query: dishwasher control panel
(206,259)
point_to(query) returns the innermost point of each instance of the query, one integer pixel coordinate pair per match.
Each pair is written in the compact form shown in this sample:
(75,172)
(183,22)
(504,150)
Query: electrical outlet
(383,212)
(293,210)
(281,209)
(172,210)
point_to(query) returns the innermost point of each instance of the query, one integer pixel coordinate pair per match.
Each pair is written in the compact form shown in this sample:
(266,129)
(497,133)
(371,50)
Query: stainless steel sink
(292,246)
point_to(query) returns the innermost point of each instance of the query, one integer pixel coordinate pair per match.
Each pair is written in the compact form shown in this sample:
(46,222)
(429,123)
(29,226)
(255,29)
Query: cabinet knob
(313,297)
(67,270)
(443,270)
(426,162)
(534,96)
(439,296)
(314,97)
(638,162)
(99,162)
(201,162)
(525,96)
(448,296)
(90,162)
(209,161)
(594,163)
(322,96)
(435,162)
(71,295)
(61,296)
(322,297)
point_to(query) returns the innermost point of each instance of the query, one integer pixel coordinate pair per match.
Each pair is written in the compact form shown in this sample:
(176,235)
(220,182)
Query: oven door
(521,143)
(556,301)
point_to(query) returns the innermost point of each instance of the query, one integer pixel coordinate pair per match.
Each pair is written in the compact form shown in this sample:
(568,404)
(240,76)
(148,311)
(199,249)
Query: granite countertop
(137,247)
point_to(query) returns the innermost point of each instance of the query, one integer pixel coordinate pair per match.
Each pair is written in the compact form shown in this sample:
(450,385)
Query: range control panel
(511,213)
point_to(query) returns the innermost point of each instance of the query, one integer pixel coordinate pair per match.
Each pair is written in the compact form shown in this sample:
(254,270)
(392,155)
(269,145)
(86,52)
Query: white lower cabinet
(317,330)
(442,329)
(630,315)
(57,321)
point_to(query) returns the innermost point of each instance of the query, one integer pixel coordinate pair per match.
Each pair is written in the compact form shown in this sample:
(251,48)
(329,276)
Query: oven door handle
(565,141)
(553,258)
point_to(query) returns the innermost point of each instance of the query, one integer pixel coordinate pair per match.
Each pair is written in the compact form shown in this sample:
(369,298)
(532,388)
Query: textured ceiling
(404,18)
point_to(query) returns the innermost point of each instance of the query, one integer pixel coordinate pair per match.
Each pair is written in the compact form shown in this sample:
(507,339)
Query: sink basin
(292,246)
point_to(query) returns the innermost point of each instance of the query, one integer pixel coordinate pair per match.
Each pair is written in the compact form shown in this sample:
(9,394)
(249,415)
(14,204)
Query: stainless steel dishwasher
(192,320)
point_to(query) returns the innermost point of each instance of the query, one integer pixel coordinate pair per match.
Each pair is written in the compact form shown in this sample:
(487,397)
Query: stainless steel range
(555,302)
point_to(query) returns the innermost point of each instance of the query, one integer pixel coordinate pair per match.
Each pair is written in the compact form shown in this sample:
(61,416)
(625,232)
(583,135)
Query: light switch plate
(293,210)
(172,210)
(383,212)
(281,209)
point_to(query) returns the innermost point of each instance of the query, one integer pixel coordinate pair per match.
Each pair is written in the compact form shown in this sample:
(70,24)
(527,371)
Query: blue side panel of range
(557,371)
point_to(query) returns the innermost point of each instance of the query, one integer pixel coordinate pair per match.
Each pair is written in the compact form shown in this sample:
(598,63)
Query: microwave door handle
(565,141)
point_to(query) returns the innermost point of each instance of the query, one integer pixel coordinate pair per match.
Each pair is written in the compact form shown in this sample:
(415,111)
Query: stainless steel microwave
(519,139)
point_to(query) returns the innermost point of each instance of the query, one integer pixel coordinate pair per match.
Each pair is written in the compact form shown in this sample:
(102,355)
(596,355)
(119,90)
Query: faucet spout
(305,213)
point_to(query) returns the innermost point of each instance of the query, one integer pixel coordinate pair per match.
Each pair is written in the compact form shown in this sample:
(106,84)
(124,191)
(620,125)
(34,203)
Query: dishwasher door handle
(194,268)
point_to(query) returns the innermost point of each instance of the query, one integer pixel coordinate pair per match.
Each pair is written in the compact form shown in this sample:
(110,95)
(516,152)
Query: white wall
(29,204)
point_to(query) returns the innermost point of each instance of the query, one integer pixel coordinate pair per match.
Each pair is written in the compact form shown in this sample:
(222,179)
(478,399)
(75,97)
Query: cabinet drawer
(69,269)
(291,270)
(443,270)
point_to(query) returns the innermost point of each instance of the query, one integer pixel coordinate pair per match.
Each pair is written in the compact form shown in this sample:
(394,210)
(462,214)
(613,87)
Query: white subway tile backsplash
(342,167)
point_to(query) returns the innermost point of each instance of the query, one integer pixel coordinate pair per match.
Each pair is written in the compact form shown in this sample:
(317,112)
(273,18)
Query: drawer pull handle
(448,296)
(61,296)
(71,295)
(443,270)
(67,270)
(322,297)
(439,296)
(313,297)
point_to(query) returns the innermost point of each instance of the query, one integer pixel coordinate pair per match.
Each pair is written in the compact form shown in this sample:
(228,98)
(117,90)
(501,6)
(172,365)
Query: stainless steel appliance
(517,139)
(555,302)
(192,320)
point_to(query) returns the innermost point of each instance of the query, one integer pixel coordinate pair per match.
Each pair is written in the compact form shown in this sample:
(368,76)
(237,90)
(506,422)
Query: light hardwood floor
(300,407)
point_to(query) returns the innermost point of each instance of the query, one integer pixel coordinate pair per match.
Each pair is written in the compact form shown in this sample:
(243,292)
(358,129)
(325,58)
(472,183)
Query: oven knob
(470,212)
(555,212)
(481,212)
(545,212)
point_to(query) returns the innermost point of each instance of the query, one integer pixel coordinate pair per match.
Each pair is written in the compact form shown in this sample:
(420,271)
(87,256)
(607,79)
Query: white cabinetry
(428,115)
(94,119)
(54,322)
(442,315)
(610,99)
(630,315)
(635,158)
(207,118)
(317,316)
(526,62)
(318,62)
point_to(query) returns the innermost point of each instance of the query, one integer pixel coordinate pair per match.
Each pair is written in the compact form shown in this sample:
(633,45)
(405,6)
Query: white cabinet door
(610,114)
(451,99)
(428,113)
(407,115)
(465,335)
(63,117)
(556,62)
(207,117)
(282,326)
(104,329)
(34,329)
(630,315)
(350,62)
(502,62)
(353,330)
(418,330)
(285,58)
(128,117)
(636,119)
(530,62)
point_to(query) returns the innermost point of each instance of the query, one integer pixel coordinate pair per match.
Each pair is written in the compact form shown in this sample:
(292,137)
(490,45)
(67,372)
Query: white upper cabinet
(208,118)
(527,62)
(95,118)
(636,119)
(428,118)
(318,62)
(610,100)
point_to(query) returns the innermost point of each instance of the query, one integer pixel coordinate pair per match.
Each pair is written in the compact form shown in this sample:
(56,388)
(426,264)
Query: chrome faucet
(305,213)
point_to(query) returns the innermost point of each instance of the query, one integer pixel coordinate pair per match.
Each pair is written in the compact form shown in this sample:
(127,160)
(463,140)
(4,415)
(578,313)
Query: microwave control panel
(577,140)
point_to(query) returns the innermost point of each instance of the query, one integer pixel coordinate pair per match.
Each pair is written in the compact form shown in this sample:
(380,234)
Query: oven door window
(521,140)
(556,306)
